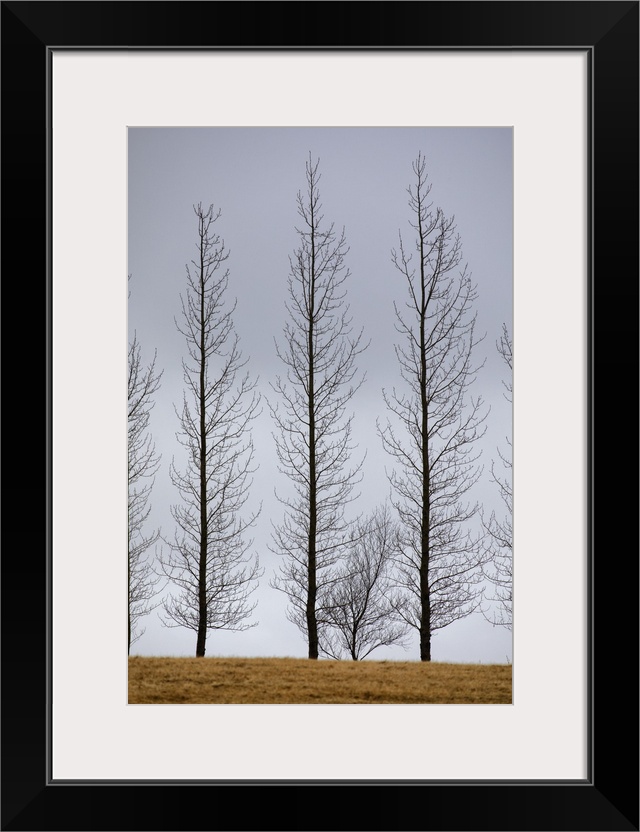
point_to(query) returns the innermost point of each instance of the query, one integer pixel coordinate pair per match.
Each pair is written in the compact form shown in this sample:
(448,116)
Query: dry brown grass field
(207,681)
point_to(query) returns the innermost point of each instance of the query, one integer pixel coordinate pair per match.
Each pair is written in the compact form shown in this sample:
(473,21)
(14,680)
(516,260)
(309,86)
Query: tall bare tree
(499,569)
(359,616)
(208,560)
(313,437)
(434,423)
(143,462)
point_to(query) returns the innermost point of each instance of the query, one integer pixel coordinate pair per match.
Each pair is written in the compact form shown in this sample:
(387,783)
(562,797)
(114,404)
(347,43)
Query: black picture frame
(608,799)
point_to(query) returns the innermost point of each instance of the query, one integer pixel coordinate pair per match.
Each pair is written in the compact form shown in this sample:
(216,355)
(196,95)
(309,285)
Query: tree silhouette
(499,569)
(143,462)
(435,424)
(313,437)
(208,560)
(359,613)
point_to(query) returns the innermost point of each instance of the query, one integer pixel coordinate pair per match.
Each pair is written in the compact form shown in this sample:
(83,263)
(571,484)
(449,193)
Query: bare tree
(143,462)
(499,569)
(439,423)
(359,615)
(313,439)
(208,560)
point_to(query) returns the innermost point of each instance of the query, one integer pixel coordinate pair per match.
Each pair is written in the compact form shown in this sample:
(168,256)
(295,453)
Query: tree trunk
(425,603)
(425,640)
(202,575)
(312,624)
(202,638)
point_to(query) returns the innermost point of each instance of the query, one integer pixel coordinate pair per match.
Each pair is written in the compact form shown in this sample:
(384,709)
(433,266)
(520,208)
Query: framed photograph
(562,80)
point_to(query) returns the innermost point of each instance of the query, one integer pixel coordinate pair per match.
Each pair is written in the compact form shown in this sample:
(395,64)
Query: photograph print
(320,362)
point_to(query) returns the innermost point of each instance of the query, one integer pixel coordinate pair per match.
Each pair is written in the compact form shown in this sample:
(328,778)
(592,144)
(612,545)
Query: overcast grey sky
(253,175)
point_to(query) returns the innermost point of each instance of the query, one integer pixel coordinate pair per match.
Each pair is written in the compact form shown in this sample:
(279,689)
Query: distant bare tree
(143,463)
(359,616)
(499,569)
(313,439)
(208,559)
(440,567)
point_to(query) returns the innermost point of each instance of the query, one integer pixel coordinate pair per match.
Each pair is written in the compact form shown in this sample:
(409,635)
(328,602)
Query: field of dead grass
(267,681)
